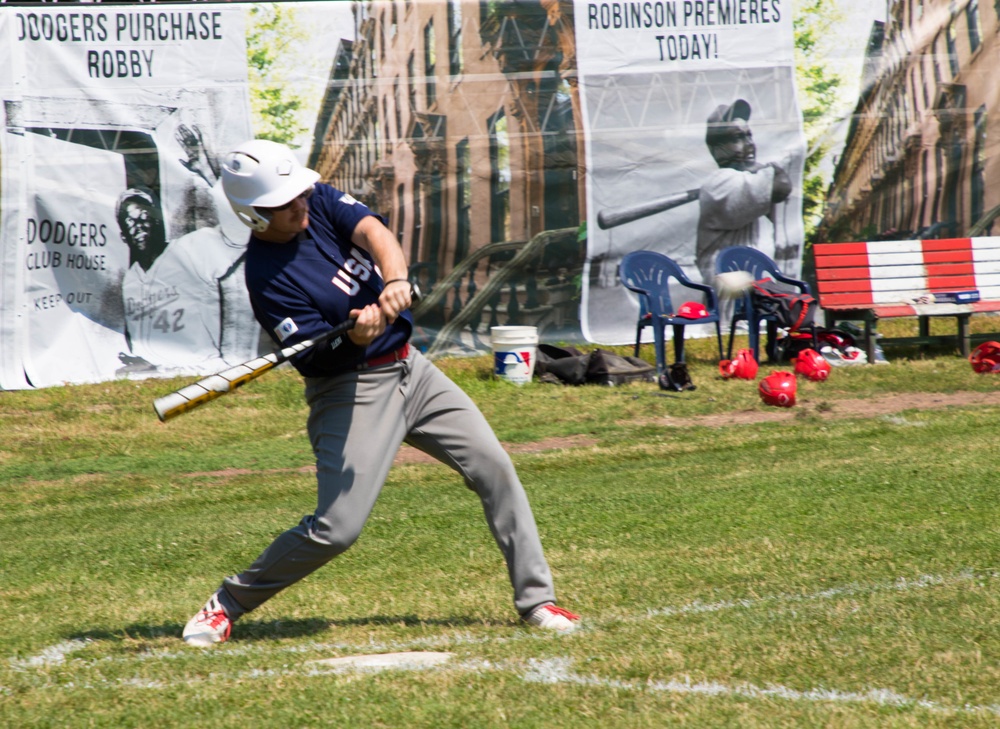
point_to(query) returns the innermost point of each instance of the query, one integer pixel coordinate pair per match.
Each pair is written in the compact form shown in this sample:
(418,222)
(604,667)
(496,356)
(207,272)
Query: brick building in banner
(457,122)
(920,160)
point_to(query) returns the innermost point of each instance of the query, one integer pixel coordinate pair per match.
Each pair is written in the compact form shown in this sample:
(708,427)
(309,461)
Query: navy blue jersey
(302,288)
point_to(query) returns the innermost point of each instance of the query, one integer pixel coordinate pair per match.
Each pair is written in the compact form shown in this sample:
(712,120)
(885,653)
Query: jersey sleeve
(338,212)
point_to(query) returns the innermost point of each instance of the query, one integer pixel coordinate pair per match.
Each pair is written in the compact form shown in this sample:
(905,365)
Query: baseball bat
(613,218)
(217,385)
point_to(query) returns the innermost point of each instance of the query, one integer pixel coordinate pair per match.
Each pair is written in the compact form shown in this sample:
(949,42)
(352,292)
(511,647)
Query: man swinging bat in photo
(317,258)
(734,200)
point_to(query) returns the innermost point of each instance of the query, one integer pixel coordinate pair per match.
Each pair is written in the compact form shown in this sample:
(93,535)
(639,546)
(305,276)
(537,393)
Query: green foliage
(819,89)
(273,33)
(822,569)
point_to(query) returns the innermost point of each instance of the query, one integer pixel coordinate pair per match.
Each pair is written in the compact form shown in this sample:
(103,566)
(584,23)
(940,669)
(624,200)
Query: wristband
(394,280)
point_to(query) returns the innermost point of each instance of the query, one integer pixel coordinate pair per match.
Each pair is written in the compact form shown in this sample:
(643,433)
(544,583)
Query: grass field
(815,571)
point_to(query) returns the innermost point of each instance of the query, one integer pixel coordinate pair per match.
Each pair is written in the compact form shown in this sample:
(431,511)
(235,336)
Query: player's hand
(395,297)
(198,160)
(369,323)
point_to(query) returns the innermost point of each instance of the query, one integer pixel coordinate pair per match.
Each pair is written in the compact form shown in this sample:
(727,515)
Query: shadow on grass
(261,630)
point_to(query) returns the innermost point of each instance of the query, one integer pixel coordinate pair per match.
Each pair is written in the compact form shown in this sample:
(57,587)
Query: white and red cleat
(552,617)
(210,626)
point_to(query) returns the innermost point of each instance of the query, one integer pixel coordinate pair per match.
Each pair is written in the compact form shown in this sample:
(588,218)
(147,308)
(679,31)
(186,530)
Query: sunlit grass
(815,571)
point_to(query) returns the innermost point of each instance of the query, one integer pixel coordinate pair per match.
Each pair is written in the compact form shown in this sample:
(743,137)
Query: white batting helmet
(263,174)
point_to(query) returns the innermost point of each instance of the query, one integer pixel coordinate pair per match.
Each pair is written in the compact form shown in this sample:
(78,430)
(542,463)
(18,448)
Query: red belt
(401,353)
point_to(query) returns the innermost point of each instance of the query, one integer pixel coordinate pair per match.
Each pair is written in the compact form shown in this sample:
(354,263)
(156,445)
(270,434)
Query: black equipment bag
(570,366)
(608,368)
(561,365)
(791,310)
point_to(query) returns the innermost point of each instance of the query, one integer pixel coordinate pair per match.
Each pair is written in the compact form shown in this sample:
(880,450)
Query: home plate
(379,661)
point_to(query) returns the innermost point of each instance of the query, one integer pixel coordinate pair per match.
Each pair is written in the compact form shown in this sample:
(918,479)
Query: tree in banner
(273,34)
(822,107)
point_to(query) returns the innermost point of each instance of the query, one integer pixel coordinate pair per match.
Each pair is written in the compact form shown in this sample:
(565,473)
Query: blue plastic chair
(649,274)
(760,265)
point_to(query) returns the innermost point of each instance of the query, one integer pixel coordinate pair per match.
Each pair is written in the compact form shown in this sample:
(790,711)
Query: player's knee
(334,539)
(494,470)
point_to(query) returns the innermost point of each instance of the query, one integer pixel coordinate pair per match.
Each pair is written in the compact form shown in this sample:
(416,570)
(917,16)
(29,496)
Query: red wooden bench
(957,277)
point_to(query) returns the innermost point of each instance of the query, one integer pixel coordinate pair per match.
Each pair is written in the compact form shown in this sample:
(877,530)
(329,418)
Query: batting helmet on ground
(986,357)
(778,389)
(812,364)
(743,366)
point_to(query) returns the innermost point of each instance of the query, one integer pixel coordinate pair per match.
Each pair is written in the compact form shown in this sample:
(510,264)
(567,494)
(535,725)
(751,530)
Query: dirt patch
(408,454)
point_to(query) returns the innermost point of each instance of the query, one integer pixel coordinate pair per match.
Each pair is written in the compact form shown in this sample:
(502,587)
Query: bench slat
(840,280)
(986,243)
(989,299)
(887,312)
(848,261)
(988,266)
(950,257)
(837,249)
(915,283)
(886,289)
(896,258)
(909,270)
(895,246)
(985,255)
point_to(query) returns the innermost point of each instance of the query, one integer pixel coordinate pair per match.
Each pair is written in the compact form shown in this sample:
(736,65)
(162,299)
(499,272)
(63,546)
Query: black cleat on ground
(666,383)
(680,377)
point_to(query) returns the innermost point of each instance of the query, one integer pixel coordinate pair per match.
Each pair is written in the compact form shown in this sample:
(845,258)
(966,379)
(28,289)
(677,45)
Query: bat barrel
(190,397)
(613,218)
(213,386)
(169,405)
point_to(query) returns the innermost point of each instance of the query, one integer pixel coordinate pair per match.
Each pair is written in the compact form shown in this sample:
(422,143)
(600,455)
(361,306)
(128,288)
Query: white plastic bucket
(514,351)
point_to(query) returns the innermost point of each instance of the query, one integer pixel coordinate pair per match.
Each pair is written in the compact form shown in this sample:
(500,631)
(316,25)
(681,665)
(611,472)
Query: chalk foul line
(559,671)
(902,584)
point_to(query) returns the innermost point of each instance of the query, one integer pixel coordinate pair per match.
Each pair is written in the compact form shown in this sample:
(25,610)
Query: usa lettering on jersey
(355,271)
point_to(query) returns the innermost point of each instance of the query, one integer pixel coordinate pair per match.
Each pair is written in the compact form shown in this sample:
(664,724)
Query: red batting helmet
(986,357)
(812,365)
(692,310)
(778,389)
(743,366)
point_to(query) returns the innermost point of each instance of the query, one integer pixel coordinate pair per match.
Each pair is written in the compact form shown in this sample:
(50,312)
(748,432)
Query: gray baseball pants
(357,422)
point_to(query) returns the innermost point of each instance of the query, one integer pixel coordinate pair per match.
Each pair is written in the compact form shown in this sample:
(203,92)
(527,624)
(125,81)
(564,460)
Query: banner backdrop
(661,85)
(120,254)
(517,150)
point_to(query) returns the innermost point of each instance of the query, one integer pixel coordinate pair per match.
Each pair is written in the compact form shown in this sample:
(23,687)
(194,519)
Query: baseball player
(734,200)
(317,257)
(185,307)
